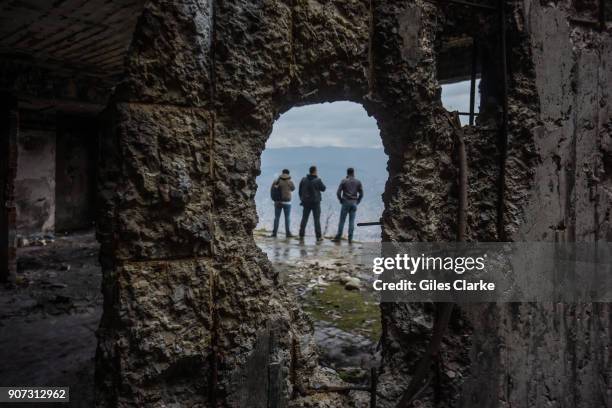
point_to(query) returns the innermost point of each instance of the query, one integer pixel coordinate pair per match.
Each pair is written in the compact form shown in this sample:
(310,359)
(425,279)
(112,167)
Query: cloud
(345,124)
(342,124)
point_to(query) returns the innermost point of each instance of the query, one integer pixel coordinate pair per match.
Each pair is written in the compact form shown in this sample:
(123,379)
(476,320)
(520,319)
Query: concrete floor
(48,322)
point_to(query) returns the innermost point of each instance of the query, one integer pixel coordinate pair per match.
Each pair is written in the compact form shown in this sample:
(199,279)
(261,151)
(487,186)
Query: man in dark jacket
(281,194)
(310,190)
(350,193)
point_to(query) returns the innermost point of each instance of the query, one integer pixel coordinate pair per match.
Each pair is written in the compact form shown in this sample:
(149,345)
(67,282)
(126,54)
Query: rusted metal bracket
(368,224)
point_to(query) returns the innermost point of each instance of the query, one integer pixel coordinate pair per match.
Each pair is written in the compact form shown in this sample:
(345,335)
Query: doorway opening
(53,305)
(333,137)
(331,286)
(326,277)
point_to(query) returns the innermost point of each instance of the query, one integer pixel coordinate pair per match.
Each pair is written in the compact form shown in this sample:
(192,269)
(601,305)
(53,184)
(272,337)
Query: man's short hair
(312,170)
(285,171)
(350,171)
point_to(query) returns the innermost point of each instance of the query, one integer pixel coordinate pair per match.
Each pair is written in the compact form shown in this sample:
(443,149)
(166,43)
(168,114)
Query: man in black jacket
(310,190)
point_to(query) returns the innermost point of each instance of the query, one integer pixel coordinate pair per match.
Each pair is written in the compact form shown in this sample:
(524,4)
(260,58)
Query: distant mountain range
(370,166)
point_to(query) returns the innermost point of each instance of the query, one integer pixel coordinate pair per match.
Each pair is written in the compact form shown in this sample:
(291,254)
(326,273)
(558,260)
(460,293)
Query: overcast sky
(346,124)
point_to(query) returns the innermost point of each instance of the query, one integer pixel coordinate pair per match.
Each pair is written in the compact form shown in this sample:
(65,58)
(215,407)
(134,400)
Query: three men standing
(280,193)
(350,193)
(310,190)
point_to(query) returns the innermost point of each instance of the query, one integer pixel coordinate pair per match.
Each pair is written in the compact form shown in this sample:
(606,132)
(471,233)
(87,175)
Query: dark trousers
(285,208)
(316,213)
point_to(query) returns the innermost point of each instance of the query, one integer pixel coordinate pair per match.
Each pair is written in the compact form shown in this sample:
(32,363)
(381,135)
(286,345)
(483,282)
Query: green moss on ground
(348,310)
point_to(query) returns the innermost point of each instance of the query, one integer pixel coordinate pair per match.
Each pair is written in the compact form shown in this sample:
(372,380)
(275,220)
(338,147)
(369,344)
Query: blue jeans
(286,208)
(350,209)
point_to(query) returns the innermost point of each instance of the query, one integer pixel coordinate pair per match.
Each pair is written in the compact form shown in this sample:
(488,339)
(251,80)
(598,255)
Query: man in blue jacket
(310,190)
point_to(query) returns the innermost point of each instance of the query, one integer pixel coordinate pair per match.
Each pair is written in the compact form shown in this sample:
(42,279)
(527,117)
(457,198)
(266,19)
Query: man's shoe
(273,236)
(336,239)
(319,239)
(350,241)
(289,235)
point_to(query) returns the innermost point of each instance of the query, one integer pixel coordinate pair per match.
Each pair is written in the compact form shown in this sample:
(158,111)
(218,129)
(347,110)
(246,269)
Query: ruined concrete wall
(193,312)
(35,181)
(75,173)
(174,253)
(571,201)
(557,189)
(574,81)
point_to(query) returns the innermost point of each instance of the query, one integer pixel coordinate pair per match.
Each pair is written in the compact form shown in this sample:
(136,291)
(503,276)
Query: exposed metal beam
(368,224)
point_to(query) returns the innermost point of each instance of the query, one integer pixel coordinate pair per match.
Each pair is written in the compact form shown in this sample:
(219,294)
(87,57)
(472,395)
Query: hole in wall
(333,137)
(323,275)
(456,97)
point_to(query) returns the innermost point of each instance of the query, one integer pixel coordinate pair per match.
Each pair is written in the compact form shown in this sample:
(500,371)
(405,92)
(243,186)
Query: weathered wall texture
(75,172)
(35,181)
(552,354)
(193,312)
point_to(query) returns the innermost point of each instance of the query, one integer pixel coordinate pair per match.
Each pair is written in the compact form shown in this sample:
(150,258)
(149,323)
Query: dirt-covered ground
(333,286)
(49,319)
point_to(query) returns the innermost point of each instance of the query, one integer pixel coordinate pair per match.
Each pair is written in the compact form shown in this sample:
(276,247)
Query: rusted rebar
(371,49)
(293,367)
(445,310)
(503,129)
(214,316)
(373,386)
